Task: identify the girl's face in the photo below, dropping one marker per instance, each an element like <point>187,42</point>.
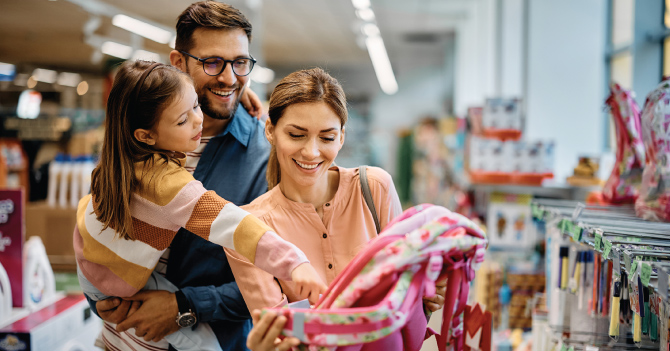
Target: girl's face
<point>179,127</point>
<point>307,139</point>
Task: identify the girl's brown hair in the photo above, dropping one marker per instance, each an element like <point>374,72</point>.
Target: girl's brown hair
<point>305,86</point>
<point>113,180</point>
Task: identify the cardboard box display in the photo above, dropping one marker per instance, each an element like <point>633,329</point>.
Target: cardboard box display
<point>54,225</point>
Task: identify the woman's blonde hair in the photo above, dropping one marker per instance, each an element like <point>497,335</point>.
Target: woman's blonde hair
<point>130,107</point>
<point>305,86</point>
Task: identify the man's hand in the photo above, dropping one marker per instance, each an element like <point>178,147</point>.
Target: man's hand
<point>115,310</point>
<point>156,316</point>
<point>252,103</point>
<point>265,333</point>
<point>436,302</point>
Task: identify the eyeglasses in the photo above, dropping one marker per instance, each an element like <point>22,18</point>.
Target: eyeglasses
<point>213,66</point>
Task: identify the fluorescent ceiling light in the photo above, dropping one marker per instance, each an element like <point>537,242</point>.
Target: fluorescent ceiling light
<point>82,88</point>
<point>69,79</point>
<point>366,14</point>
<point>144,29</point>
<point>361,4</point>
<point>45,75</point>
<point>262,75</point>
<point>381,64</point>
<point>117,50</point>
<point>370,30</point>
<point>146,56</point>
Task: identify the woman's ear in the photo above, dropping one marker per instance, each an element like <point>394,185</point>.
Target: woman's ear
<point>342,137</point>
<point>145,136</point>
<point>269,131</point>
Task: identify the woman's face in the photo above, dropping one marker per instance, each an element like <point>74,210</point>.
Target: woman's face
<point>307,139</point>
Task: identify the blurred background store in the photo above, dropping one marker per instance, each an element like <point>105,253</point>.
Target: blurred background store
<point>482,106</point>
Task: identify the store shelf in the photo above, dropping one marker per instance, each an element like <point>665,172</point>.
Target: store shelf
<point>548,189</point>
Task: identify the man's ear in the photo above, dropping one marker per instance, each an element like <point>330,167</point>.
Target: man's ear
<point>178,60</point>
<point>145,136</point>
<point>269,131</point>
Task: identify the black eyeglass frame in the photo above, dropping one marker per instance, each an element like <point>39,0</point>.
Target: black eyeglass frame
<point>225,62</point>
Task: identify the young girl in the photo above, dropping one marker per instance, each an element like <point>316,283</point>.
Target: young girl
<point>141,196</point>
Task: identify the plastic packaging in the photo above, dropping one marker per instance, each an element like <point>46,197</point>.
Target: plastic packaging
<point>55,168</point>
<point>38,277</point>
<point>614,315</point>
<point>87,167</point>
<point>5,296</point>
<point>75,180</point>
<point>65,172</point>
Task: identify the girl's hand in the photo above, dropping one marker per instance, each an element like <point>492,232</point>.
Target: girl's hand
<point>308,283</point>
<point>252,103</point>
<point>436,302</point>
<point>264,335</point>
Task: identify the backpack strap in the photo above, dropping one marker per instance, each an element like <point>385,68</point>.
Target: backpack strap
<point>367,195</point>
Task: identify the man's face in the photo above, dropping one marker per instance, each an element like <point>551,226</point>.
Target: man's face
<point>219,95</point>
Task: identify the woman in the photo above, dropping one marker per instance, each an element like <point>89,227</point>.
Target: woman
<point>316,206</point>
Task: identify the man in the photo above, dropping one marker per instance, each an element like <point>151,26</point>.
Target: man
<point>212,46</point>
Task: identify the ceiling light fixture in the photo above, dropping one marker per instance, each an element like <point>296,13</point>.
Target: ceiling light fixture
<point>68,79</point>
<point>370,30</point>
<point>381,64</point>
<point>144,29</point>
<point>361,4</point>
<point>82,88</point>
<point>366,14</point>
<point>45,75</point>
<point>146,56</point>
<point>262,75</point>
<point>117,50</point>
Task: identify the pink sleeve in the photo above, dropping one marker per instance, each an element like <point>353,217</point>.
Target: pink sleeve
<point>274,254</point>
<point>259,288</point>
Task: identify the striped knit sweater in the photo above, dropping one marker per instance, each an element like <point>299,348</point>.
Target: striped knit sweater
<point>164,203</point>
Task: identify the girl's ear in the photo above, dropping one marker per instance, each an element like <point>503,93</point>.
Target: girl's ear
<point>269,131</point>
<point>145,136</point>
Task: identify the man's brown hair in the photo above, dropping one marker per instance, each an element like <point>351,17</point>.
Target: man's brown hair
<point>208,14</point>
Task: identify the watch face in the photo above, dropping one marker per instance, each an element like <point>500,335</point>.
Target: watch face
<point>186,320</point>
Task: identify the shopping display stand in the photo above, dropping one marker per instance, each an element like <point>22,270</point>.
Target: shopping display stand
<point>626,251</point>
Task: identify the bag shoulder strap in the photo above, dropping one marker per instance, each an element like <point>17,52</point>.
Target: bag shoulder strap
<point>367,195</point>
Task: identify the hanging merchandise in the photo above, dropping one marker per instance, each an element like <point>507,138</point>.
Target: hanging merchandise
<point>376,301</point>
<point>654,200</point>
<point>624,181</point>
<point>628,306</point>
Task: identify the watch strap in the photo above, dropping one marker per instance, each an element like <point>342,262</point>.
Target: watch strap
<point>182,302</point>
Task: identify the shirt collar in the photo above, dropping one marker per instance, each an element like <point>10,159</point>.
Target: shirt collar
<point>240,126</point>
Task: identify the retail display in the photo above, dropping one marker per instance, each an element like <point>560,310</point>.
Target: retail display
<point>38,277</point>
<point>376,302</point>
<point>69,179</point>
<point>5,296</point>
<point>622,185</point>
<point>607,281</point>
<point>12,237</point>
<point>654,200</point>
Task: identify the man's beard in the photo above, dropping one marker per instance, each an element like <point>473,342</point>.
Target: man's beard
<point>208,109</point>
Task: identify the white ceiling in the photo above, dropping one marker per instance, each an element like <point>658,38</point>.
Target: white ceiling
<point>292,33</point>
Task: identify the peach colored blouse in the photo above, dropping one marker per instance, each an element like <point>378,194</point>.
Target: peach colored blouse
<point>329,244</point>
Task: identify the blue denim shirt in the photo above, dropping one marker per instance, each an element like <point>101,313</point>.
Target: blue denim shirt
<point>233,164</point>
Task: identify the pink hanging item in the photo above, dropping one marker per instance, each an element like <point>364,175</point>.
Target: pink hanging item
<point>623,183</point>
<point>654,200</point>
<point>376,303</point>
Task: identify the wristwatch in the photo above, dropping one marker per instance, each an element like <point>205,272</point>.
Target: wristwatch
<point>185,317</point>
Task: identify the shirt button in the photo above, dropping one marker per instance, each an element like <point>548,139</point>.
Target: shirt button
<point>330,266</point>
<point>325,235</point>
<point>327,204</point>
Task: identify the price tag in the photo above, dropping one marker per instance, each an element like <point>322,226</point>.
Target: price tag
<point>564,347</point>
<point>634,240</point>
<point>576,232</point>
<point>616,265</point>
<point>663,283</point>
<point>571,348</point>
<point>645,274</point>
<point>633,267</point>
<point>607,249</point>
<point>626,260</point>
<point>599,239</point>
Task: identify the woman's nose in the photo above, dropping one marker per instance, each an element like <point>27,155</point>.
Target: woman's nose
<point>311,149</point>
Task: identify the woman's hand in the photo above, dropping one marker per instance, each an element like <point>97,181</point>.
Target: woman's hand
<point>308,283</point>
<point>264,335</point>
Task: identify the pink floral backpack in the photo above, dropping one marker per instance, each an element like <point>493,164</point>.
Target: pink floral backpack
<point>654,200</point>
<point>375,303</point>
<point>624,181</point>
